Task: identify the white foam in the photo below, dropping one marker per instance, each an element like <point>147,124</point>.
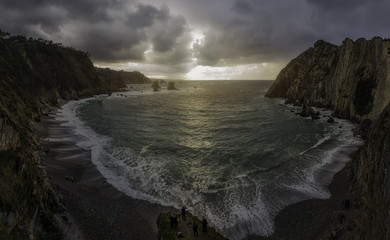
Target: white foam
<point>315,179</point>
<point>238,214</point>
<point>107,162</point>
<point>321,141</point>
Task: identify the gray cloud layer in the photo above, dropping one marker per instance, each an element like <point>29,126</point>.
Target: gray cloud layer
<point>235,31</point>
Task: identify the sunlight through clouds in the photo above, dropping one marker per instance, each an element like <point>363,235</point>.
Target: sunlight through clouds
<point>262,71</point>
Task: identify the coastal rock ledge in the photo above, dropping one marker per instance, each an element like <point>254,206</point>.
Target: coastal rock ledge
<point>354,81</point>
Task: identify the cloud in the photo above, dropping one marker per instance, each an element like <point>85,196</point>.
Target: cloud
<point>236,32</point>
<point>114,30</point>
<point>354,19</point>
<point>262,36</point>
<point>242,7</point>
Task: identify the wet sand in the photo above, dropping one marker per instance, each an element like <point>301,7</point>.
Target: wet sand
<point>314,218</point>
<point>96,210</point>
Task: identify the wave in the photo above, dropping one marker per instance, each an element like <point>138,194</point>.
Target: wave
<point>238,201</point>
<point>321,141</point>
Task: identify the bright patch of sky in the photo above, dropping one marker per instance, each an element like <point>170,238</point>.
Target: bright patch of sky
<point>202,39</point>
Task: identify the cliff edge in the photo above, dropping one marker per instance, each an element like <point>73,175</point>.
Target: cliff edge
<point>354,80</point>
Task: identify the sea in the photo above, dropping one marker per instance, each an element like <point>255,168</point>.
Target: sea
<point>220,148</point>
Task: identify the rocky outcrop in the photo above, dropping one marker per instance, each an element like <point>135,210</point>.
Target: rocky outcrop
<point>353,79</point>
<point>171,86</point>
<point>155,86</point>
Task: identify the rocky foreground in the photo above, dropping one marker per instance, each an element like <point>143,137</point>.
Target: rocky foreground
<point>354,80</point>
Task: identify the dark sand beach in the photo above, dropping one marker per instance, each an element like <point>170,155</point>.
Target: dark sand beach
<point>96,210</point>
<point>314,218</point>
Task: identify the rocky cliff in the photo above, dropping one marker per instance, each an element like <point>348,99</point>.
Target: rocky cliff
<point>35,75</point>
<point>371,184</point>
<point>352,79</point>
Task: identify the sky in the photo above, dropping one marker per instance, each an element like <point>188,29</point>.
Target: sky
<point>196,39</point>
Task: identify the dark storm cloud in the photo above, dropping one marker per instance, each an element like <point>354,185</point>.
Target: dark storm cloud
<point>165,35</point>
<point>115,30</point>
<point>235,32</point>
<point>146,15</point>
<point>241,6</point>
<point>354,19</point>
<point>263,31</point>
<point>262,36</point>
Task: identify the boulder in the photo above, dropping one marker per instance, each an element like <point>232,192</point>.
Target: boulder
<point>315,117</point>
<point>330,120</point>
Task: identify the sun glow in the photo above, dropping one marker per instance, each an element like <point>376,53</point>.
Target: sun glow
<point>263,71</point>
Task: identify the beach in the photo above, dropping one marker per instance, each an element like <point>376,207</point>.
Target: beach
<point>314,218</point>
<point>96,210</point>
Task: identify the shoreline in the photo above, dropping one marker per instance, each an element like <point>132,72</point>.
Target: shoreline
<point>94,208</point>
<point>97,210</point>
<point>315,218</point>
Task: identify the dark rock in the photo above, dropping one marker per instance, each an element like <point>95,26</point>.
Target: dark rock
<point>65,218</point>
<point>364,126</point>
<point>171,86</point>
<point>330,120</point>
<point>347,204</point>
<point>70,178</point>
<point>156,86</point>
<point>315,117</point>
<point>307,111</point>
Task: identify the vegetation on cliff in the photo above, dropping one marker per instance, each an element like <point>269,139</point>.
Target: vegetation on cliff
<point>34,75</point>
<point>120,78</point>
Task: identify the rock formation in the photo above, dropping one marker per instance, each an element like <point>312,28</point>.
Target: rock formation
<point>354,80</point>
<point>155,86</point>
<point>171,86</point>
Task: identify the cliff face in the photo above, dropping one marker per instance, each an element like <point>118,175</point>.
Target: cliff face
<point>34,75</point>
<point>353,79</point>
<point>371,184</point>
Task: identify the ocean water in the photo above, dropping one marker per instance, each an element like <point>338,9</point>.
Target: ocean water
<point>218,147</point>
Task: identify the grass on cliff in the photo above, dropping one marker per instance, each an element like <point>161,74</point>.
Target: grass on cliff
<point>168,233</point>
